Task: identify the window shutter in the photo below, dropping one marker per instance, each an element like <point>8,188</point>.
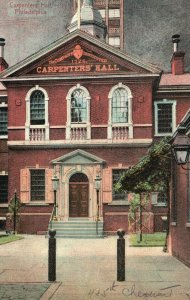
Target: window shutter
<point>107,185</point>
<point>25,185</point>
<point>49,187</point>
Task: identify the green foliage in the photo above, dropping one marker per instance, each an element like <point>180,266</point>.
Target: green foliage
<point>14,208</point>
<point>151,173</point>
<point>4,239</point>
<point>149,240</point>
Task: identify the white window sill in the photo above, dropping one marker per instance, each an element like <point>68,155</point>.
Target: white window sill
<point>40,203</point>
<point>119,202</point>
<point>160,205</point>
<point>173,223</point>
<point>188,224</point>
<point>3,137</point>
<point>4,205</point>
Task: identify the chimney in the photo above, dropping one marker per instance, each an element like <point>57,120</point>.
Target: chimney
<point>3,63</point>
<point>177,61</point>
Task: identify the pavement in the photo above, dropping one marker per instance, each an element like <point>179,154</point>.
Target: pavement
<point>86,269</point>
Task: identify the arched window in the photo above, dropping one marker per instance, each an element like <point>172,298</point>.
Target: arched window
<point>78,114</point>
<point>37,124</point>
<point>78,106</point>
<point>120,106</point>
<point>120,125</point>
<point>37,108</point>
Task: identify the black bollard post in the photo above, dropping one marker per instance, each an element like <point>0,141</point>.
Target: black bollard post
<point>52,256</point>
<point>121,255</point>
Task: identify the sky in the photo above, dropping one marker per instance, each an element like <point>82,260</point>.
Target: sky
<point>29,25</point>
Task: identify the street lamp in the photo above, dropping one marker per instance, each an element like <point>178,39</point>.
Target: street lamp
<point>55,182</point>
<point>181,148</point>
<point>97,186</point>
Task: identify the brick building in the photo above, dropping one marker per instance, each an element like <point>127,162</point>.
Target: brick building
<point>81,110</point>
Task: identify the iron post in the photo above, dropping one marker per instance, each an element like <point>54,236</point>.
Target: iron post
<point>121,255</point>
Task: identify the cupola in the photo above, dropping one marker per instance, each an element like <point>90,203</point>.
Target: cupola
<point>88,19</point>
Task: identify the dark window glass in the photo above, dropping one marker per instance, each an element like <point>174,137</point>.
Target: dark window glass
<point>165,118</point>
<point>37,108</point>
<point>79,177</point>
<point>120,106</point>
<point>37,185</point>
<point>116,174</point>
<point>162,198</point>
<point>3,189</point>
<point>78,107</point>
<point>3,121</point>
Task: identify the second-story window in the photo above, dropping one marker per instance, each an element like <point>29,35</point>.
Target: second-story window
<point>120,126</point>
<point>78,107</point>
<point>37,108</point>
<point>3,121</point>
<point>78,125</point>
<point>120,106</point>
<point>165,117</point>
<point>37,124</point>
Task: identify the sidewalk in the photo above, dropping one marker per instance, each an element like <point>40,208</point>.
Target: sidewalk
<point>86,269</point>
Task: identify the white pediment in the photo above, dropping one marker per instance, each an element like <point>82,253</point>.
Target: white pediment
<point>78,157</point>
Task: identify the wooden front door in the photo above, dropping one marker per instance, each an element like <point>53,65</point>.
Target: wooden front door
<point>78,198</point>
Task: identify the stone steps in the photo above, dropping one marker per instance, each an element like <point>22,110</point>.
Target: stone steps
<point>78,228</point>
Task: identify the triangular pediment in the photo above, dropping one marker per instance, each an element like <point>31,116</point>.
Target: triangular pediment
<point>78,157</point>
<point>78,53</point>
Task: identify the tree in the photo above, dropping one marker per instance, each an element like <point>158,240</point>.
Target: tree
<point>14,208</point>
<point>151,174</point>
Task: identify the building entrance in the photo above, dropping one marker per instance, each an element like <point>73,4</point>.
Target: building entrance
<point>78,196</point>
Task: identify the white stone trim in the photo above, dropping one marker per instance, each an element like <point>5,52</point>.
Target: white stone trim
<point>165,101</point>
<point>87,123</point>
<point>27,124</point>
<point>130,97</point>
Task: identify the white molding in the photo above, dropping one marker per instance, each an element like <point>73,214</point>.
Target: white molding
<point>188,224</point>
<point>98,76</point>
<point>27,124</point>
<point>110,123</point>
<point>4,137</point>
<point>173,223</point>
<point>87,124</point>
<point>165,101</point>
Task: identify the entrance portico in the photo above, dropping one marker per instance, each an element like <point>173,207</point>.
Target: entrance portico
<point>76,195</point>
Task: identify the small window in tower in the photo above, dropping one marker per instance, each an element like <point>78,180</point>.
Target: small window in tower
<point>114,13</point>
<point>102,12</point>
<point>114,41</point>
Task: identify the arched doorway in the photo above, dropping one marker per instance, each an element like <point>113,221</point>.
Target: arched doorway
<point>78,196</point>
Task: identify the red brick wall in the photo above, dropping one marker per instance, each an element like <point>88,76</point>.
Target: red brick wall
<point>180,233</point>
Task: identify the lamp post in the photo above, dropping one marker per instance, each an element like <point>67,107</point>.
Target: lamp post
<point>97,186</point>
<point>181,148</point>
<point>55,181</point>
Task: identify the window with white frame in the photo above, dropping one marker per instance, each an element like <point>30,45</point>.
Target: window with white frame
<point>3,121</point>
<point>3,188</point>
<point>78,125</point>
<point>120,113</point>
<point>37,125</point>
<point>120,106</point>
<point>37,108</point>
<point>37,185</point>
<point>78,106</point>
<point>165,117</point>
<point>114,41</point>
<point>117,195</point>
<point>114,13</point>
